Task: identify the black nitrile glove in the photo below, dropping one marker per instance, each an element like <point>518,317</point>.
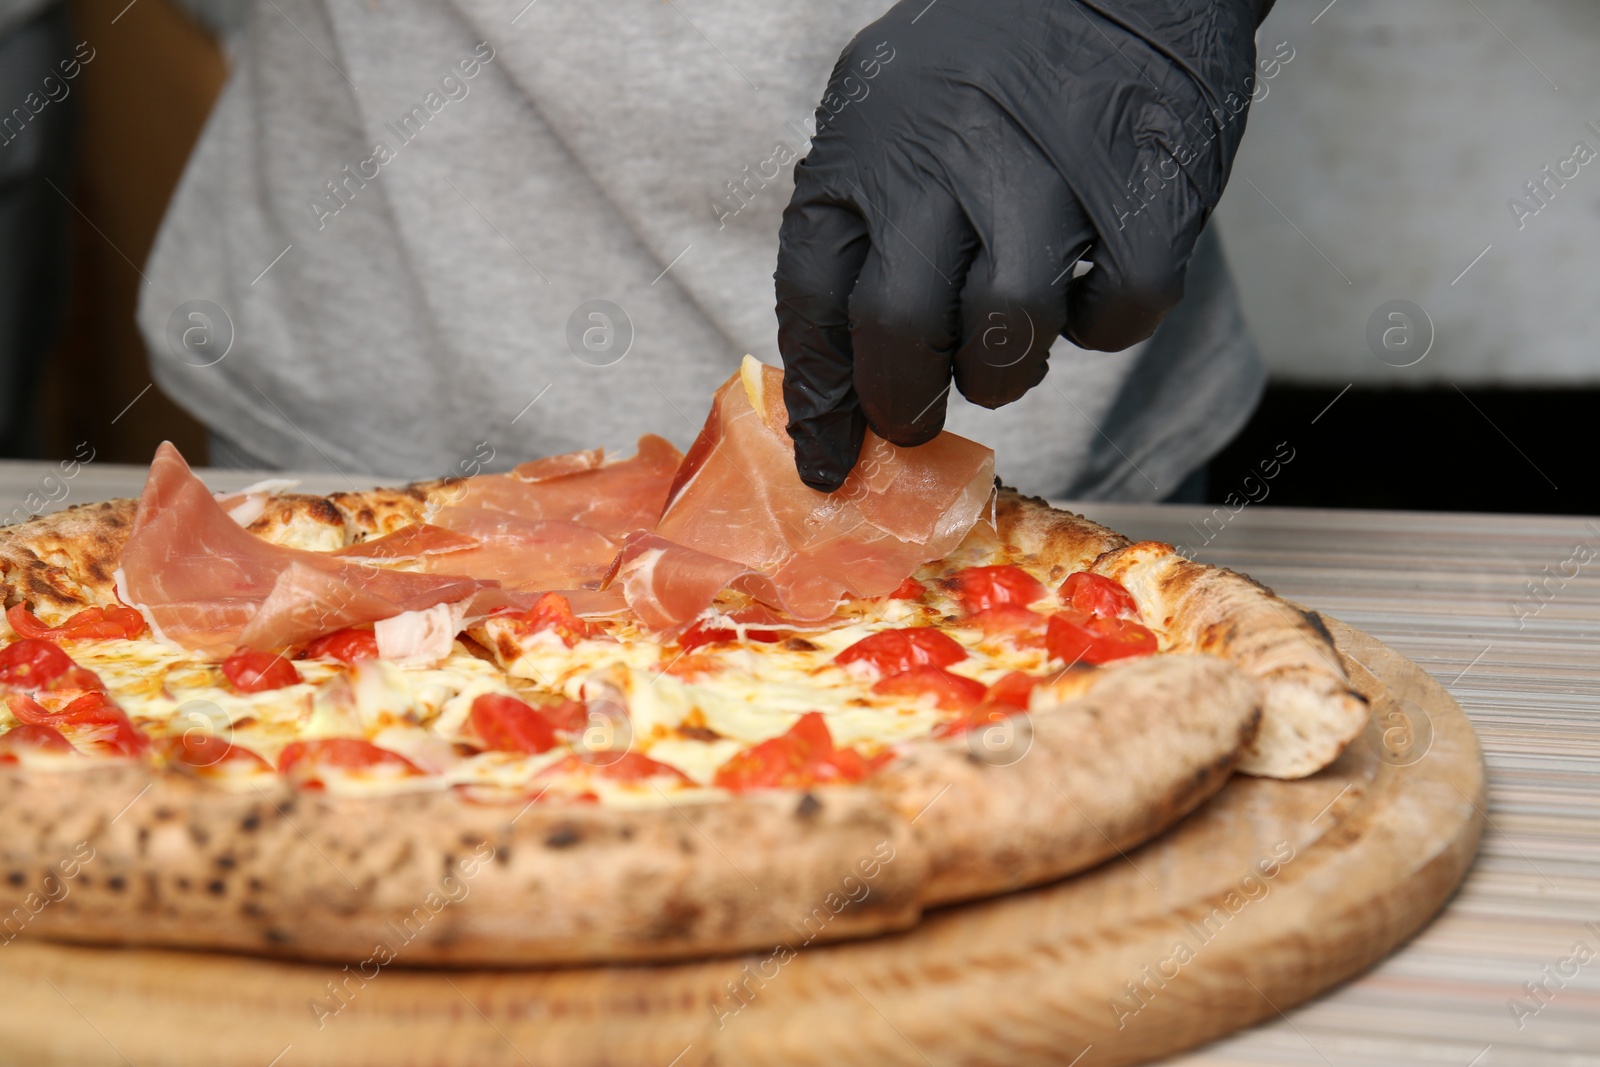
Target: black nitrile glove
<point>968,153</point>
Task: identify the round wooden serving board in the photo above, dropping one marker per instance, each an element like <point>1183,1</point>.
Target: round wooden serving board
<point>1269,894</point>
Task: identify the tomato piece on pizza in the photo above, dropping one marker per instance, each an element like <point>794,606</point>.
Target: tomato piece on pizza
<point>802,757</point>
<point>1013,690</point>
<point>1023,625</point>
<point>307,763</point>
<point>34,664</point>
<point>893,651</point>
<point>910,589</point>
<point>1095,594</point>
<point>33,737</point>
<point>347,646</point>
<point>95,623</point>
<point>506,724</point>
<point>552,612</point>
<point>1003,583</point>
<point>99,722</point>
<point>253,671</point>
<point>212,755</point>
<point>1077,637</point>
<point>951,692</point>
<point>625,766</point>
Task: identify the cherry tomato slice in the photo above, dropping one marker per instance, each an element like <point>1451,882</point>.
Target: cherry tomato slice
<point>989,587</point>
<point>634,767</point>
<point>803,757</point>
<point>949,691</point>
<point>32,737</point>
<point>568,717</point>
<point>209,753</point>
<point>626,767</point>
<point>704,634</point>
<point>910,589</point>
<point>34,664</point>
<point>1008,619</point>
<point>90,709</point>
<point>302,761</point>
<point>1076,637</point>
<point>1012,690</point>
<point>552,611</point>
<point>506,724</point>
<point>1097,595</point>
<point>88,624</point>
<point>252,671</point>
<point>346,646</point>
<point>893,651</point>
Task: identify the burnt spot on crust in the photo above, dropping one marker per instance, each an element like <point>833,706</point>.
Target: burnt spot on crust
<point>322,510</point>
<point>16,878</point>
<point>808,807</point>
<point>251,822</point>
<point>276,936</point>
<point>116,883</point>
<point>1315,619</point>
<point>562,837</point>
<point>216,887</point>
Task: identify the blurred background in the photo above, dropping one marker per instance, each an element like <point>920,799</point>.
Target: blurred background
<point>1414,224</point>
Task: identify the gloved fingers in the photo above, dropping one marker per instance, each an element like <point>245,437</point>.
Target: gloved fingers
<point>821,246</point>
<point>1015,301</point>
<point>905,312</point>
<point>1139,262</point>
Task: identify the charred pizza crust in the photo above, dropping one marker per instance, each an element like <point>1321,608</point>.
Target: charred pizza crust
<point>1098,769</point>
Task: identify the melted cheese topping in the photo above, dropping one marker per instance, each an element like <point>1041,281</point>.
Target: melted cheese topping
<point>691,711</point>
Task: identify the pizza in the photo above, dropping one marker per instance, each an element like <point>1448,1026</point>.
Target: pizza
<point>594,709</point>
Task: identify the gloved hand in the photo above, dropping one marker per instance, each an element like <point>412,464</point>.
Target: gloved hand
<point>968,153</point>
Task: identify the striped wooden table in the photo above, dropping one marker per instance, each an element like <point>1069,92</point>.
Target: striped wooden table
<point>1505,611</point>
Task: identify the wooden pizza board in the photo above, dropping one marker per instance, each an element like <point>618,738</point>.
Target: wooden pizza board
<point>1269,894</point>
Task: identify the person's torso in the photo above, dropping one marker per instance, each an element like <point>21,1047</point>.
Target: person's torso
<point>531,229</point>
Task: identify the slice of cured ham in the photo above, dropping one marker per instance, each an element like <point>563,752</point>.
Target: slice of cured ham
<point>667,584</point>
<point>408,543</point>
<point>522,554</point>
<point>205,583</point>
<point>613,499</point>
<point>741,508</point>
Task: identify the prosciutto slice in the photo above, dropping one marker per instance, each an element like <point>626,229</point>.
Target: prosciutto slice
<point>205,583</point>
<point>610,498</point>
<point>667,584</point>
<point>737,500</point>
<point>408,543</point>
<point>522,554</point>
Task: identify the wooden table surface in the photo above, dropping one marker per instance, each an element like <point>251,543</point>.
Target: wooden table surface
<point>1509,976</point>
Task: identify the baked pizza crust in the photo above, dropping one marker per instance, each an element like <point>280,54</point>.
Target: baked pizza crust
<point>1091,770</point>
<point>1310,711</point>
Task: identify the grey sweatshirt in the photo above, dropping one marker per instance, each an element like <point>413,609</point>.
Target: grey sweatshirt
<point>420,238</point>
